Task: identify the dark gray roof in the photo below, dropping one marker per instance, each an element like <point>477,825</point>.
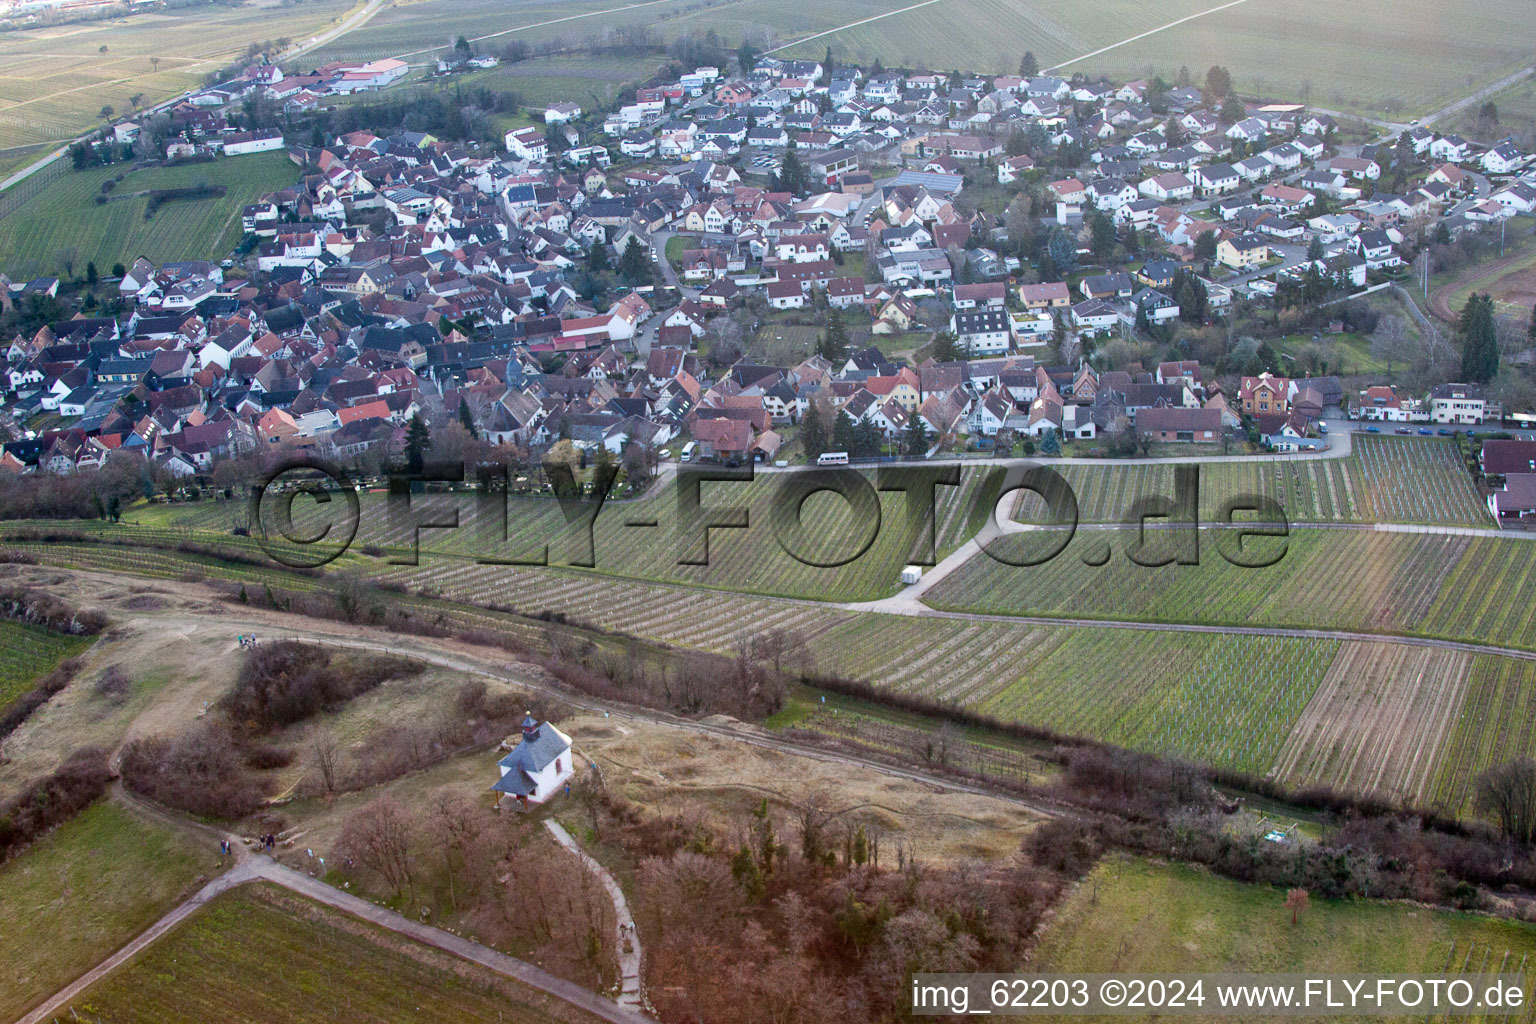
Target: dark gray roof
<point>532,754</point>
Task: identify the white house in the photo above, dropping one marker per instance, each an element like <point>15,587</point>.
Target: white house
<point>538,766</point>
<point>559,113</point>
<point>1503,159</point>
<point>527,144</point>
<point>1451,148</point>
<point>1217,178</point>
<point>1171,186</point>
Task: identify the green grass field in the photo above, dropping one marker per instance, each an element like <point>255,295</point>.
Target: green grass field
<point>43,221</point>
<point>26,652</point>
<point>54,81</point>
<point>82,892</point>
<point>1137,916</point>
<point>259,953</point>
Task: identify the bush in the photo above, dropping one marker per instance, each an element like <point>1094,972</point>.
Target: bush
<point>22,707</point>
<point>286,682</point>
<point>200,771</point>
<point>114,684</point>
<point>39,608</point>
<point>74,786</point>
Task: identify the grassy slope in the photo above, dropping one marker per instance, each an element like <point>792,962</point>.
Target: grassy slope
<point>262,954</point>
<point>26,652</point>
<point>83,891</point>
<point>62,214</point>
<point>1140,917</point>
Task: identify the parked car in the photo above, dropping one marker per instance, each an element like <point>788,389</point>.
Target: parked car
<point>1424,431</point>
<point>1373,430</point>
<point>1402,430</point>
<point>1446,433</point>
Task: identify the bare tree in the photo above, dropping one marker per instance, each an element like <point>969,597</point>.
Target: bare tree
<point>1296,900</point>
<point>325,755</point>
<point>1389,340</point>
<point>455,825</point>
<point>378,836</point>
<point>1508,792</point>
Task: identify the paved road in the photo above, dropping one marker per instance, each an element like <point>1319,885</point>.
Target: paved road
<point>627,938</point>
<point>253,867</point>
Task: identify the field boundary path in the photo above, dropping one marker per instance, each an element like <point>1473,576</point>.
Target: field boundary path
<point>624,923</point>
<point>1149,32</point>
<point>253,867</point>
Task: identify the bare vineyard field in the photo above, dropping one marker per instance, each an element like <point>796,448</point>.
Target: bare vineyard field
<point>428,25</point>
<point>990,35</point>
<point>749,559</point>
<point>1380,721</point>
<point>1327,579</point>
<point>1225,700</point>
<point>55,80</point>
<point>1357,62</point>
<point>1496,724</point>
<point>1385,479</point>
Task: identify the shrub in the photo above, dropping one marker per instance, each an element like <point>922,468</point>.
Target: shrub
<point>200,771</point>
<point>51,801</point>
<point>286,682</point>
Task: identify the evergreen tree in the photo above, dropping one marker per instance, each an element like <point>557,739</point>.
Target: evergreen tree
<point>1530,328</point>
<point>866,440</point>
<point>813,431</point>
<point>1315,248</point>
<point>635,264</point>
<point>843,433</point>
<point>833,345</point>
<point>467,417</point>
<point>1050,444</point>
<point>946,347</point>
<point>597,258</point>
<point>1232,110</point>
<point>1479,340</point>
<point>917,436</point>
<point>1205,247</point>
<point>1102,234</point>
<point>1218,81</point>
<point>1063,251</point>
<point>792,175</point>
<point>416,441</point>
<point>1029,67</point>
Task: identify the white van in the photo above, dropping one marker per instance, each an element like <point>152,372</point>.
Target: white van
<point>832,459</point>
<point>687,455</point>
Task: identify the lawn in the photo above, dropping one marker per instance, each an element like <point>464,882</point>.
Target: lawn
<point>26,652</point>
<point>1140,917</point>
<point>259,953</point>
<point>46,221</point>
<point>83,891</point>
<point>55,80</point>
